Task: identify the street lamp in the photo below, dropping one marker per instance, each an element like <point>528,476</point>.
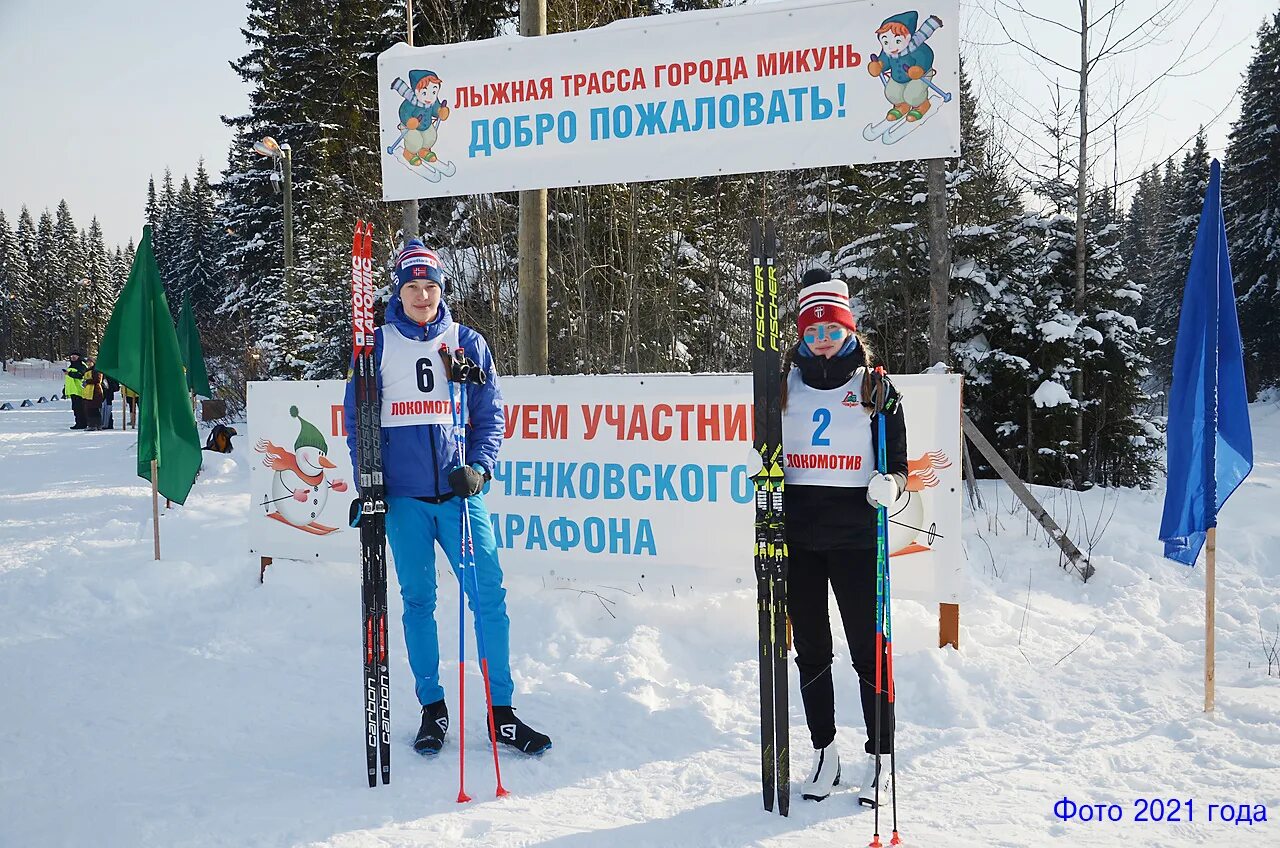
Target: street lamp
<point>8,331</point>
<point>83,283</point>
<point>283,158</point>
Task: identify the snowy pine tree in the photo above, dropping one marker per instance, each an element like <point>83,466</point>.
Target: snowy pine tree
<point>1252,208</point>
<point>15,294</point>
<point>196,250</point>
<point>47,299</point>
<point>1182,196</point>
<point>1122,441</point>
<point>100,292</point>
<point>1140,246</point>
<point>164,231</point>
<point>33,343</point>
<point>66,282</point>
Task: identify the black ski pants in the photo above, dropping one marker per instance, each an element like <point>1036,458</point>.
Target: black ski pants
<point>851,574</point>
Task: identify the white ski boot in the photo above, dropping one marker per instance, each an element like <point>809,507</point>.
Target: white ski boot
<point>867,789</point>
<point>824,775</point>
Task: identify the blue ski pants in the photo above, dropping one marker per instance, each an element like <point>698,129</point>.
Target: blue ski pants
<point>413,529</point>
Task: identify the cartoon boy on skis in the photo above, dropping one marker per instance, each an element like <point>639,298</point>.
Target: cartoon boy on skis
<point>420,116</point>
<point>905,64</point>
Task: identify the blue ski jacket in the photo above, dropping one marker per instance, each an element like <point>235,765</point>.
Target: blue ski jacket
<point>416,460</point>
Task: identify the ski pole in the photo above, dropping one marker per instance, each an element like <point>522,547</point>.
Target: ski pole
<point>469,541</point>
<point>881,564</point>
<point>463,797</point>
<point>470,560</point>
<point>882,542</point>
<point>467,561</point>
<point>392,149</point>
<point>945,95</point>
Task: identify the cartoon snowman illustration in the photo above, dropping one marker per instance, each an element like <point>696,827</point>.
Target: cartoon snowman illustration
<point>302,480</point>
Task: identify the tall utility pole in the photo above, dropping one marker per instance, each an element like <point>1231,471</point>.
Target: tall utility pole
<point>533,240</point>
<point>939,264</point>
<point>409,209</point>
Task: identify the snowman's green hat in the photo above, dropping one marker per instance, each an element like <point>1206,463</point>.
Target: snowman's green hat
<point>309,436</point>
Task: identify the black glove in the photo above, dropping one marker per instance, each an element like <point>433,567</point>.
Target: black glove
<point>466,481</point>
<point>356,512</point>
<point>466,370</point>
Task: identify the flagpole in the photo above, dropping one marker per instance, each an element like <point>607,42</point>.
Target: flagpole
<point>1210,581</point>
<point>155,503</point>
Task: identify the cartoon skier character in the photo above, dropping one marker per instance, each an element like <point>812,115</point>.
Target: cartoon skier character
<point>905,64</point>
<point>420,115</point>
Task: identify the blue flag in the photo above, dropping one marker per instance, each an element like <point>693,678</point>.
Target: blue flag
<point>1210,447</point>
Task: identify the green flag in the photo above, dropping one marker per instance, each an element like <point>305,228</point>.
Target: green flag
<point>140,349</point>
<point>192,355</point>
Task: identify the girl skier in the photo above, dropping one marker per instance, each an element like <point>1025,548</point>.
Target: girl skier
<point>832,492</point>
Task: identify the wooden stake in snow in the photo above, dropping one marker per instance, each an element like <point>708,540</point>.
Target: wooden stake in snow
<point>1210,582</point>
<point>155,504</point>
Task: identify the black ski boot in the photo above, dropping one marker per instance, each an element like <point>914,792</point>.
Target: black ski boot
<point>435,724</point>
<point>514,732</point>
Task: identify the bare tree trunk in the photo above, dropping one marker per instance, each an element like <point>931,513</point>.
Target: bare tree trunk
<point>1082,219</point>
<point>634,307</point>
<point>939,263</point>
<point>1031,444</point>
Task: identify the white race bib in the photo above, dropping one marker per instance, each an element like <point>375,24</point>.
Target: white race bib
<point>415,388</point>
<point>826,434</point>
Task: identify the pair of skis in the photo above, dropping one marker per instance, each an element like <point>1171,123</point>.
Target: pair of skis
<point>891,132</point>
<point>372,510</point>
<point>770,539</point>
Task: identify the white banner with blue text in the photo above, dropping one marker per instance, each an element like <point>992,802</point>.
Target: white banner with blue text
<point>767,87</point>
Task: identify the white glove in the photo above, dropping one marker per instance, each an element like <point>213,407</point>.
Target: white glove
<point>882,490</point>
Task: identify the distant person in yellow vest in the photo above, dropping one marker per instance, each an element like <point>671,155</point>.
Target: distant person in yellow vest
<point>73,387</point>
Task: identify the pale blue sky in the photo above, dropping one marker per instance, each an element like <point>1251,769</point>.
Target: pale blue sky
<point>97,95</point>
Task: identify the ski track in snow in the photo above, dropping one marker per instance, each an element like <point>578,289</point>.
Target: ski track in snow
<point>180,703</point>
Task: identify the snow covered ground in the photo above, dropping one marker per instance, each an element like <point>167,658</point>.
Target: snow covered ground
<point>180,703</point>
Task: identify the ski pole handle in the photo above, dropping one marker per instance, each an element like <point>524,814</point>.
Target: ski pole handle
<point>446,359</point>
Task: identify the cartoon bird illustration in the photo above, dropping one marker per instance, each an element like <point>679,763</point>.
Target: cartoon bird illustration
<point>302,480</point>
<point>911,528</point>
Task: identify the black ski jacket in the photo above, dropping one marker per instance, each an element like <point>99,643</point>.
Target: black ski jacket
<point>822,518</point>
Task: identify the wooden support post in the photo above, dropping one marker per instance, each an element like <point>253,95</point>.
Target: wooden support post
<point>939,264</point>
<point>1211,557</point>
<point>970,478</point>
<point>949,625</point>
<point>262,573</point>
<point>408,209</point>
<point>531,341</point>
<point>155,504</point>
